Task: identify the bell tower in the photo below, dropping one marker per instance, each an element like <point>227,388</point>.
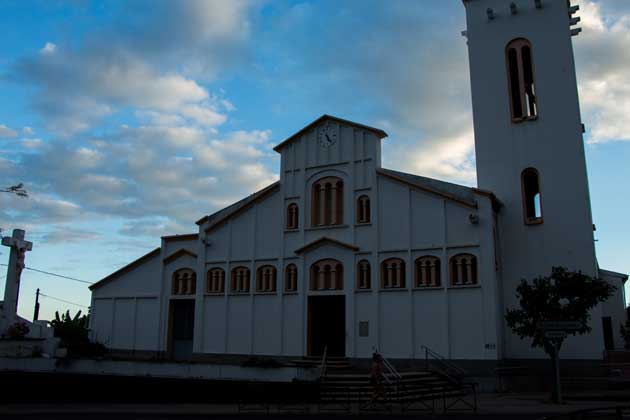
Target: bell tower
<point>529,145</point>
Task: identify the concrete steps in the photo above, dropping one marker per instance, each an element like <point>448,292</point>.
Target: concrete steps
<point>332,363</point>
<point>338,388</point>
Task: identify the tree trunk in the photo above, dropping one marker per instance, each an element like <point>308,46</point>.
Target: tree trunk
<point>554,363</point>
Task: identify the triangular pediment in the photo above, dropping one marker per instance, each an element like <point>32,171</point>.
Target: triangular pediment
<point>325,241</point>
<point>181,252</point>
<point>379,133</point>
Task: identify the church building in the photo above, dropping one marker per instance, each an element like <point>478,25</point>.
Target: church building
<point>346,256</point>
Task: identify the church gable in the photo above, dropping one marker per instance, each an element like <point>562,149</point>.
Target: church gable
<point>330,141</point>
<point>325,241</point>
<point>214,220</point>
<point>453,192</point>
<point>179,253</point>
<point>325,119</point>
<point>247,227</point>
<point>417,212</point>
<point>142,276</point>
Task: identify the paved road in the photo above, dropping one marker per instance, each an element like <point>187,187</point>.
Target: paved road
<point>129,416</point>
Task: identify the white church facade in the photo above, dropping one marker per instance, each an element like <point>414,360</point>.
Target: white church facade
<point>344,255</point>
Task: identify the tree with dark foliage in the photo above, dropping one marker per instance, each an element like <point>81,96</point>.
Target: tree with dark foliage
<point>562,296</point>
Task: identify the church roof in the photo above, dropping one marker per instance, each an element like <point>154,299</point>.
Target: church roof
<point>380,133</point>
<point>458,193</point>
<point>325,240</point>
<point>222,215</point>
<point>126,268</point>
<point>178,253</point>
<point>184,237</point>
<point>620,276</point>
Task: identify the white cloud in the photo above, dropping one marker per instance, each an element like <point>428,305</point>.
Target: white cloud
<point>48,49</point>
<point>203,115</point>
<point>135,64</point>
<point>602,63</point>
<point>63,234</point>
<point>174,174</point>
<point>28,131</point>
<point>452,159</point>
<point>32,143</point>
<point>6,132</point>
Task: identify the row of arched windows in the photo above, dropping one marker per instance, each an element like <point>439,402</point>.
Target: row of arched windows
<point>327,206</point>
<point>323,214</point>
<point>426,273</point>
<point>266,279</point>
<point>327,274</point>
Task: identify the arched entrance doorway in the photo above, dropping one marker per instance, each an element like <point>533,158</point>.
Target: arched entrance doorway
<point>326,311</point>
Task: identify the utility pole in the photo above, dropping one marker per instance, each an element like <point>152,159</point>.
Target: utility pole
<point>36,314</point>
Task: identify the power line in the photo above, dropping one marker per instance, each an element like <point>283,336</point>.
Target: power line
<point>63,300</point>
<point>53,274</point>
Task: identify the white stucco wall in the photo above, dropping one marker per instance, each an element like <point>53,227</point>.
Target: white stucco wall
<point>125,310</point>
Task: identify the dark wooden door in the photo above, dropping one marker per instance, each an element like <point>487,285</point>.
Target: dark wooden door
<point>609,339</point>
<point>183,325</point>
<point>327,325</point>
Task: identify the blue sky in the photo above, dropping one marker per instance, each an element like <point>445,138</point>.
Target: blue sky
<point>128,120</point>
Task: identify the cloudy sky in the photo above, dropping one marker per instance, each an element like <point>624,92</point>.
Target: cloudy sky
<point>127,120</point>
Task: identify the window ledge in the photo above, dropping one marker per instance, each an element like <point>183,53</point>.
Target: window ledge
<point>416,289</point>
<point>291,230</point>
<point>238,294</point>
<point>524,119</point>
<point>290,293</point>
<point>265,293</point>
<point>465,286</point>
<point>326,227</point>
<point>393,289</point>
<point>534,222</point>
<point>214,293</point>
<point>183,296</point>
<point>328,291</point>
<point>363,224</point>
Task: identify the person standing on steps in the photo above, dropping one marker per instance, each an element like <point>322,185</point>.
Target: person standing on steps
<point>376,377</point>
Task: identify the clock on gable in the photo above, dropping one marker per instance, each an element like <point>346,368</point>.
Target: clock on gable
<point>327,135</point>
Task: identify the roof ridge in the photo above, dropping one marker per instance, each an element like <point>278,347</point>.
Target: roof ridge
<point>377,131</point>
<point>232,208</point>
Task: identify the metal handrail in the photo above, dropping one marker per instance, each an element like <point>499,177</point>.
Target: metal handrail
<point>323,366</point>
<point>390,368</point>
<point>447,367</point>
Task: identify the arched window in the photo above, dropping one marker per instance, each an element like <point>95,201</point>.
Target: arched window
<point>292,216</point>
<point>327,202</point>
<point>290,278</point>
<point>216,281</point>
<point>363,209</point>
<point>184,282</point>
<point>427,273</point>
<point>266,279</point>
<point>326,275</point>
<point>463,270</point>
<point>239,280</point>
<point>521,80</point>
<point>363,275</point>
<point>393,274</point>
<point>532,206</point>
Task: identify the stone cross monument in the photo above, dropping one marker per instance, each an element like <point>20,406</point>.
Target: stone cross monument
<point>19,247</point>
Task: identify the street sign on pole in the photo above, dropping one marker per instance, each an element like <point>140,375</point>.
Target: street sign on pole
<point>560,325</point>
<point>555,334</point>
